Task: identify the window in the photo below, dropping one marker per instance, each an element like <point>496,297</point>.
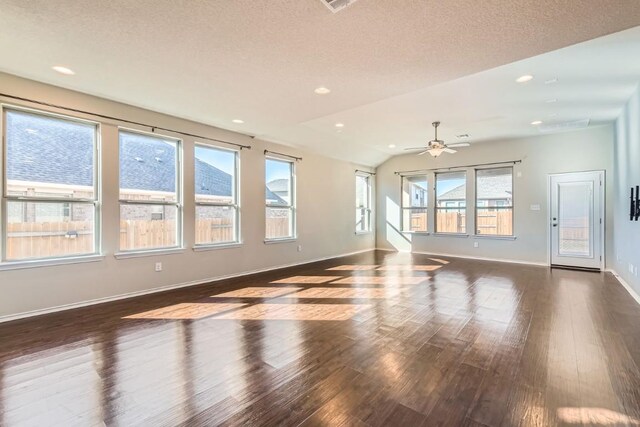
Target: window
<point>494,201</point>
<point>216,195</point>
<point>150,209</point>
<point>363,203</point>
<point>280,198</point>
<point>50,198</point>
<point>414,203</point>
<point>451,202</point>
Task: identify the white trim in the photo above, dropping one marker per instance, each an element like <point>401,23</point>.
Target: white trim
<point>213,247</point>
<point>626,285</point>
<point>283,240</point>
<point>493,237</point>
<point>145,253</point>
<point>19,265</point>
<point>450,234</point>
<point>11,317</point>
<point>359,233</point>
<point>509,261</point>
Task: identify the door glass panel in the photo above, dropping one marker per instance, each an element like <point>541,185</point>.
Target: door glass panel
<point>575,219</point>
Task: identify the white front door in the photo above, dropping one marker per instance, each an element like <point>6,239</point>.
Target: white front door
<point>577,219</point>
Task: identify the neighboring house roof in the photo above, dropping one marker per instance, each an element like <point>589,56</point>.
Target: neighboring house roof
<point>279,185</point>
<point>60,152</point>
<point>493,187</point>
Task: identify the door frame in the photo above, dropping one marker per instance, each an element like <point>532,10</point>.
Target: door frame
<point>603,210</point>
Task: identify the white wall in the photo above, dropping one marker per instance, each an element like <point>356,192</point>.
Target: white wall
<point>583,150</point>
<point>627,174</point>
<point>325,201</point>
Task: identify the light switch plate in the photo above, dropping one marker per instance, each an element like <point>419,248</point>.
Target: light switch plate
<point>534,207</point>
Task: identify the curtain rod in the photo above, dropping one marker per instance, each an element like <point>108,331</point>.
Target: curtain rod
<point>285,155</point>
<point>417,171</point>
<point>103,116</point>
<point>367,172</point>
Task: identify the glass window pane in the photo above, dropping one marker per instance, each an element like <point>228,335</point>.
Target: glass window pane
<point>494,187</point>
<point>451,187</point>
<point>148,166</point>
<point>215,174</point>
<point>575,225</point>
<point>497,222</point>
<point>414,191</point>
<point>363,219</point>
<point>49,156</point>
<point>414,220</point>
<point>362,191</point>
<point>46,230</point>
<point>148,226</point>
<point>279,223</point>
<point>215,224</point>
<point>278,178</point>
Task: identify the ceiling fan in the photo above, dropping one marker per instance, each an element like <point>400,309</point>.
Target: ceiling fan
<point>435,147</point>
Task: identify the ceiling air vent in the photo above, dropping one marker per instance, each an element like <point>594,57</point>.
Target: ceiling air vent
<point>337,5</point>
<point>559,127</point>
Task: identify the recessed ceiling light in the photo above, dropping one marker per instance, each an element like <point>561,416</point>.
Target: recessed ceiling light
<point>536,122</point>
<point>237,121</point>
<point>63,70</point>
<point>339,125</point>
<point>322,90</point>
<point>392,145</point>
<point>551,101</point>
<point>525,78</point>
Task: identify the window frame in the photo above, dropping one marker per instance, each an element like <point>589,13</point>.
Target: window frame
<point>404,208</point>
<point>235,188</point>
<point>436,208</point>
<point>291,205</point>
<point>497,208</point>
<point>368,209</point>
<point>95,201</point>
<point>178,204</point>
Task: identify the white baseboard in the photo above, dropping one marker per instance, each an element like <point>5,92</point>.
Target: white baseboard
<point>11,317</point>
<point>627,286</point>
<point>510,261</point>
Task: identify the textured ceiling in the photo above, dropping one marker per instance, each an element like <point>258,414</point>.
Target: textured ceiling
<point>259,60</point>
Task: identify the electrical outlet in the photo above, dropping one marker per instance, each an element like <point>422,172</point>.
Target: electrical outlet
<point>299,248</point>
<point>158,266</point>
<point>476,244</point>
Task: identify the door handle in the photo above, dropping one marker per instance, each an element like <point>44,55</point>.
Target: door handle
<point>555,225</point>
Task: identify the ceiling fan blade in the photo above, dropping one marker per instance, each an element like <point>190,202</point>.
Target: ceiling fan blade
<point>460,144</point>
<point>449,150</point>
<point>424,152</point>
<point>414,148</point>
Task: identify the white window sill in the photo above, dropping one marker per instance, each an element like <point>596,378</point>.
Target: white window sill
<point>204,248</point>
<point>419,233</point>
<point>491,237</point>
<point>285,240</point>
<point>364,232</point>
<point>451,234</point>
<point>18,265</point>
<point>151,252</point>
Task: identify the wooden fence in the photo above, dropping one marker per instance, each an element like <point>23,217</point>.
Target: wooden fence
<point>48,239</point>
<point>494,222</point>
<point>55,239</point>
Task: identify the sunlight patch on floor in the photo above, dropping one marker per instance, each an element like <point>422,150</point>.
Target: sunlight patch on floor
<point>346,293</point>
<point>257,292</point>
<point>377,280</point>
<point>409,267</point>
<point>186,311</point>
<point>353,267</point>
<point>307,279</point>
<point>332,312</point>
<point>595,416</point>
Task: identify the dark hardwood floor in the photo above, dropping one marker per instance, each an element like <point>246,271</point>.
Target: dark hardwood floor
<point>373,339</point>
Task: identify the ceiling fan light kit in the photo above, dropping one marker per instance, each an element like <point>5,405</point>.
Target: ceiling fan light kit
<point>435,147</point>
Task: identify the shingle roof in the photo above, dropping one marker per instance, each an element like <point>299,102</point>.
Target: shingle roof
<point>43,149</point>
<point>493,187</point>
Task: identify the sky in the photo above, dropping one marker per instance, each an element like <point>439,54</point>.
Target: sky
<point>221,159</point>
<point>277,170</point>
